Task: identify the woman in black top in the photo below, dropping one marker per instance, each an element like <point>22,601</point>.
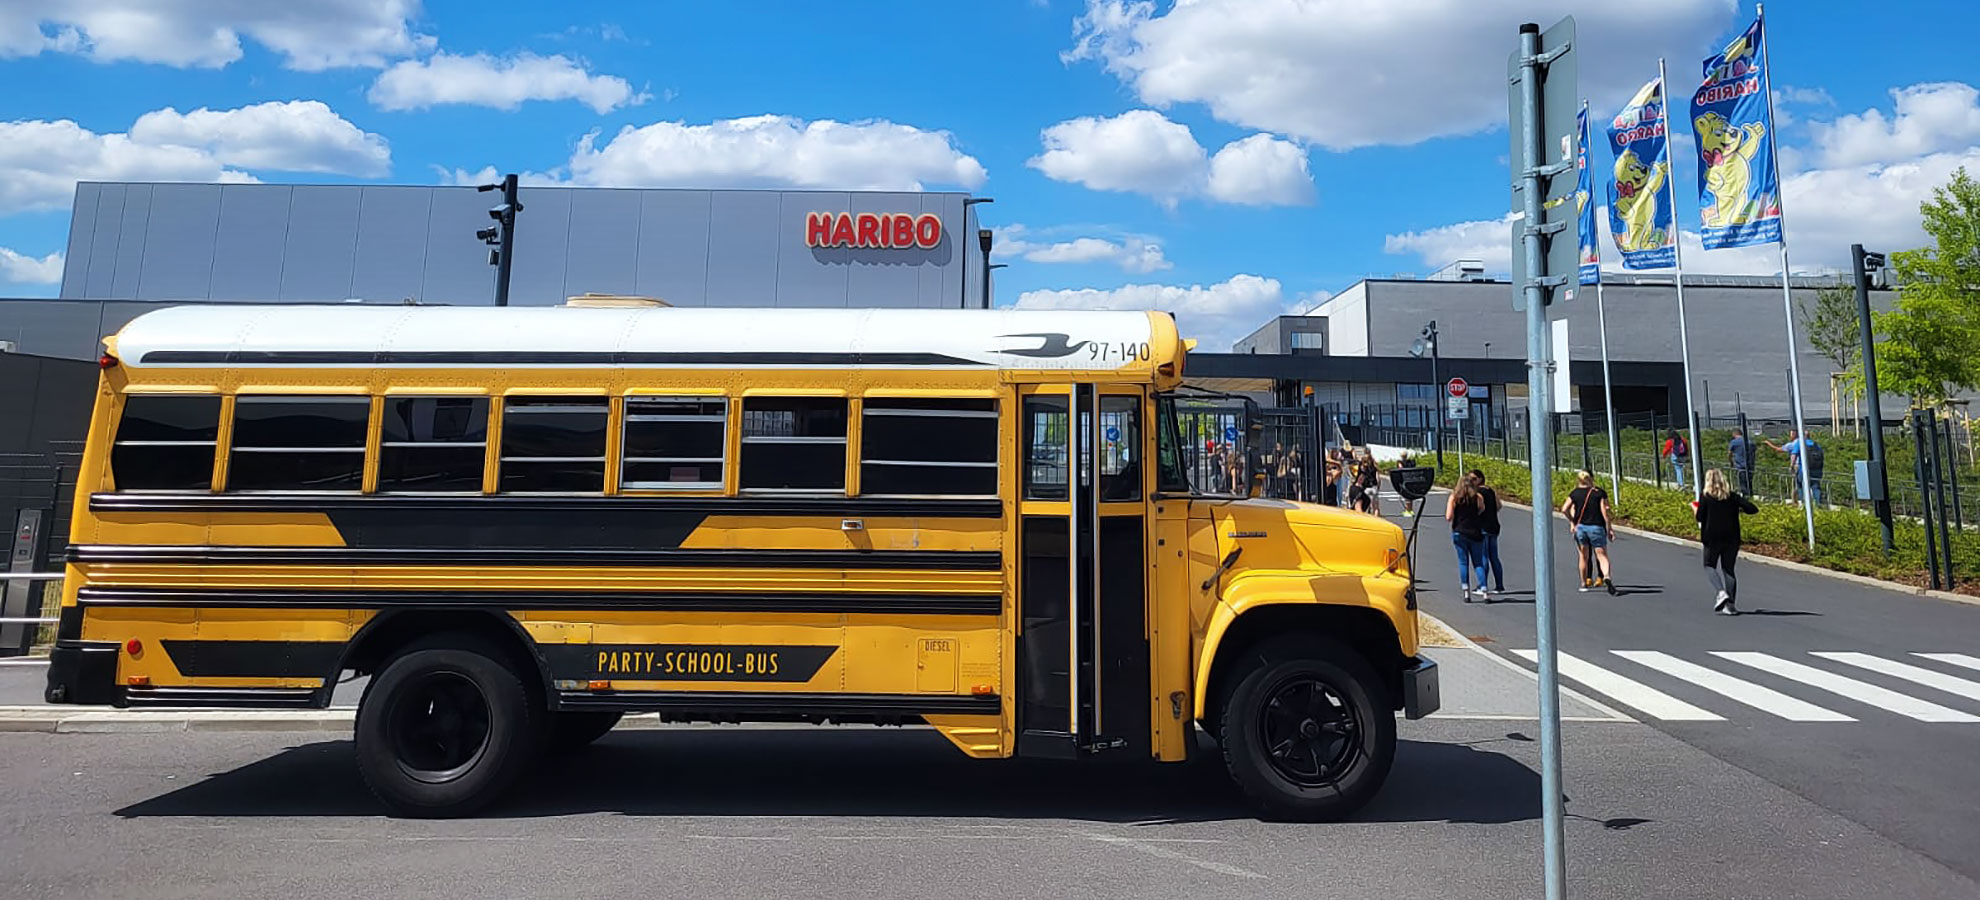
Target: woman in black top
<point>1718,529</point>
<point>1489,521</point>
<point>1464,511</point>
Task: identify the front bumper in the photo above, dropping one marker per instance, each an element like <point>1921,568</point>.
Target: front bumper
<point>1419,688</point>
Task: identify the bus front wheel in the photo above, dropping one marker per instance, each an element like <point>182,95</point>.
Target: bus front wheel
<point>1304,730</point>
<point>445,728</point>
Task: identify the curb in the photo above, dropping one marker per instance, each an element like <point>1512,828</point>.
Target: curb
<point>1789,564</point>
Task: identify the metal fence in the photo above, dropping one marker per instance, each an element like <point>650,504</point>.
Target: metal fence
<point>1290,450</point>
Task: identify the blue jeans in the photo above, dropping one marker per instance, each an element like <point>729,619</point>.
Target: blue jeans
<point>1470,558</point>
<point>1678,465</point>
<point>1491,546</point>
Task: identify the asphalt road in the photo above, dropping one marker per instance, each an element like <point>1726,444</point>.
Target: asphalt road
<point>1823,687</point>
<point>889,813</point>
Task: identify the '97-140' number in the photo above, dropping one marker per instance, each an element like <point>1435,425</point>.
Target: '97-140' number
<point>1122,351</point>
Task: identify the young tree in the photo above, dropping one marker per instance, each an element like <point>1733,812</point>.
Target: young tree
<point>1930,345</point>
<point>1831,325</point>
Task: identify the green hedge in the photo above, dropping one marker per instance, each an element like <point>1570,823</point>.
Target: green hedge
<point>1845,540</point>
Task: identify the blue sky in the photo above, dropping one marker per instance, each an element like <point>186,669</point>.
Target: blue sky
<point>1224,159</point>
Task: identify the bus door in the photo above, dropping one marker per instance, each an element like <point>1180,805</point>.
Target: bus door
<point>1082,588</point>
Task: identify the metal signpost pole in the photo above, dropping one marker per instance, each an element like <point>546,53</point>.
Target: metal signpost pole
<point>1608,397</point>
<point>1787,291</point>
<point>1528,163</point>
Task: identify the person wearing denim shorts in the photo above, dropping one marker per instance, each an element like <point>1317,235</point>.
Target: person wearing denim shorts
<point>1587,509</point>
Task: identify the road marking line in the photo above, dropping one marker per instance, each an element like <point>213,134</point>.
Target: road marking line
<point>1957,659</point>
<point>1968,689</point>
<point>36,661</point>
<point>1166,853</point>
<point>1629,692</point>
<point>1765,699</point>
<point>1592,703</point>
<point>1865,692</point>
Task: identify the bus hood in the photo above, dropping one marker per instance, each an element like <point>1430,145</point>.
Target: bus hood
<point>1281,534</point>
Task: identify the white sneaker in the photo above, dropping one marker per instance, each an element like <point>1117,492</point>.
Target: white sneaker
<point>1464,590</point>
<point>1724,605</point>
<point>1721,598</point>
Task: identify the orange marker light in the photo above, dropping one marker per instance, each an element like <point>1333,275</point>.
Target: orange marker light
<point>601,685</point>
<point>982,690</point>
<point>138,681</point>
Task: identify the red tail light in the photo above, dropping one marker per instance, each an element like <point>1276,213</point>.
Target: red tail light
<point>106,361</point>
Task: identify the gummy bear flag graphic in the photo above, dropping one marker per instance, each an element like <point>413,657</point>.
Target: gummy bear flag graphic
<point>1639,206</point>
<point>1584,201</point>
<point>1739,197</point>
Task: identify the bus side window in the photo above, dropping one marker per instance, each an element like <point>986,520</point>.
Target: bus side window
<point>432,444</point>
<point>298,443</point>
<point>165,442</point>
<point>553,445</point>
<point>674,443</point>
<point>920,447</point>
<point>1045,448</point>
<point>1120,448</point>
<point>794,444</point>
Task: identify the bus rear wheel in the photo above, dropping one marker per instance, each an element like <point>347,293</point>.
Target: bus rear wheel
<point>445,728</point>
<point>1304,730</point>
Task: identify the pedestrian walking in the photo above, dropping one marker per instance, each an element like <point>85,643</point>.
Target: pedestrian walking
<point>1740,451</point>
<point>1587,509</point>
<point>1370,483</point>
<point>1718,511</point>
<point>1234,469</point>
<point>1803,451</point>
<point>1489,522</point>
<point>1465,510</point>
<point>1679,454</point>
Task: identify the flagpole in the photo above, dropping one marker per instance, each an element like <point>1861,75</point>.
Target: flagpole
<point>1677,257</point>
<point>1787,290</point>
<point>1602,320</point>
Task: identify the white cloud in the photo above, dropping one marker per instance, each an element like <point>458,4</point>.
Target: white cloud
<point>21,268</point>
<point>1217,315</point>
<point>297,136</point>
<point>500,82</point>
<point>1261,170</point>
<point>1355,73</point>
<point>1929,118</point>
<point>776,151</point>
<point>1488,240</point>
<point>40,163</point>
<point>1142,151</point>
<point>310,36</point>
<point>491,175</point>
<point>1132,252</point>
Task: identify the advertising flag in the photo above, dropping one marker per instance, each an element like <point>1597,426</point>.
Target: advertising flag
<point>1739,197</point>
<point>1584,201</point>
<point>1639,207</point>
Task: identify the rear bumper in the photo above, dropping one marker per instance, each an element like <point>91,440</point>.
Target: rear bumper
<point>1419,688</point>
<point>83,672</point>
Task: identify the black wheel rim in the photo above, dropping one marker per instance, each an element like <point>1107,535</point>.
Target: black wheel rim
<point>1310,733</point>
<point>438,727</point>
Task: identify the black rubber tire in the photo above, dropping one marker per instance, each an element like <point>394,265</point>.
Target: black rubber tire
<point>1257,676</point>
<point>572,730</point>
<point>390,719</point>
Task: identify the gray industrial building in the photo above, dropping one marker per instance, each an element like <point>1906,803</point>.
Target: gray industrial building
<point>134,247</point>
<point>1737,335</point>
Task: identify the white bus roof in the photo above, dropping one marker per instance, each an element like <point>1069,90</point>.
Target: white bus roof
<point>232,336</point>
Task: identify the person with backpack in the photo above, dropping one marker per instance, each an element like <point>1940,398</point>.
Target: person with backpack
<point>1679,454</point>
<point>1466,512</point>
<point>1587,509</point>
<point>1490,524</point>
<point>1718,529</point>
<point>1803,451</point>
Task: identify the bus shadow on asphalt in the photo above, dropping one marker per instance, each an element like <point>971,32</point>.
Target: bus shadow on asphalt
<point>864,772</point>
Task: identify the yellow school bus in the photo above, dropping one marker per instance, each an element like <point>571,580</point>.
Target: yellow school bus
<point>524,523</point>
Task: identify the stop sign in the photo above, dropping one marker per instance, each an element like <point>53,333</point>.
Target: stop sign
<point>1457,388</point>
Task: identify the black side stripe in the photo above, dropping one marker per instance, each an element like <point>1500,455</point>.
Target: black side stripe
<point>782,703</point>
<point>545,357</point>
<point>509,503</point>
<point>230,598</point>
<point>971,560</point>
<point>253,659</point>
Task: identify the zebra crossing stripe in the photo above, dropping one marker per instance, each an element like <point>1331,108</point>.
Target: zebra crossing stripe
<point>1956,659</point>
<point>1968,689</point>
<point>1848,687</point>
<point>1629,692</point>
<point>1759,697</point>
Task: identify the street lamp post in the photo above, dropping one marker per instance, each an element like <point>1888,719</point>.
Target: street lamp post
<point>1861,263</point>
<point>984,238</point>
<point>1427,341</point>
<point>967,203</point>
<point>986,281</point>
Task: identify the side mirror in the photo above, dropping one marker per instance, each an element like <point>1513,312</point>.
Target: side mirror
<point>1413,483</point>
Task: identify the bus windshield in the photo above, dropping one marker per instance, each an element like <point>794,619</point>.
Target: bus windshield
<point>1171,475</point>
